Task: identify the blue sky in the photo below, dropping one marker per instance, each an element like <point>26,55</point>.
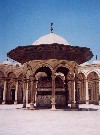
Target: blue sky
<point>24,21</point>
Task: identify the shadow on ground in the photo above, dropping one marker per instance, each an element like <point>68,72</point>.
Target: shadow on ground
<point>63,109</point>
<point>81,109</point>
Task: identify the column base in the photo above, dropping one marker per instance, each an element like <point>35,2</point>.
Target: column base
<point>32,106</point>
<point>53,106</point>
<point>3,102</point>
<point>74,105</point>
<point>24,104</point>
<point>87,102</point>
<point>99,102</point>
<point>15,102</point>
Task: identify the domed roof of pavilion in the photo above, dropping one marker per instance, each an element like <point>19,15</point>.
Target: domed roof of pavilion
<point>50,39</point>
<point>96,62</point>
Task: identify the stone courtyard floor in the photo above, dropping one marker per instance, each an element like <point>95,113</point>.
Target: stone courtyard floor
<point>46,122</point>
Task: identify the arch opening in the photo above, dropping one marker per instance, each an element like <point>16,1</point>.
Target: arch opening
<point>43,87</point>
<point>62,90</point>
<point>20,89</point>
<point>81,91</point>
<point>11,86</point>
<point>93,87</point>
<point>1,86</point>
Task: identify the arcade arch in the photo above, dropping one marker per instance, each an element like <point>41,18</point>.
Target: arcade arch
<point>20,89</point>
<point>11,87</point>
<point>62,90</point>
<point>93,87</point>
<point>81,89</point>
<point>43,87</point>
<point>1,85</point>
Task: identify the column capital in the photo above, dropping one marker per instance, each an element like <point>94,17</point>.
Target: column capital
<point>32,78</point>
<point>53,76</point>
<point>27,80</point>
<point>16,79</point>
<point>4,78</point>
<point>24,80</point>
<point>86,80</point>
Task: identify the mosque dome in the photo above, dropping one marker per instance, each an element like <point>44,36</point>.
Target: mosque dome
<point>7,62</point>
<point>96,62</point>
<point>17,64</point>
<point>84,64</point>
<point>50,39</point>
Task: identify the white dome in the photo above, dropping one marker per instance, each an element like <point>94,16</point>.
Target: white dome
<point>50,39</point>
<point>7,62</point>
<point>84,64</point>
<point>17,63</point>
<point>96,62</point>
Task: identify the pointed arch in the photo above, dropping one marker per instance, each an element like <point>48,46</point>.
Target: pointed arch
<point>64,66</point>
<point>11,75</point>
<point>41,65</point>
<point>95,71</point>
<point>93,87</point>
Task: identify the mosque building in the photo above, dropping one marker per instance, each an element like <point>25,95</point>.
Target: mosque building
<point>50,73</point>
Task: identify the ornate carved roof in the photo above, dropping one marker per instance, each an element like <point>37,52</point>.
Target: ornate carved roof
<point>24,54</point>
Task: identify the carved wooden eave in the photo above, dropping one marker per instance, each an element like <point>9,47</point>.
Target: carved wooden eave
<point>24,54</point>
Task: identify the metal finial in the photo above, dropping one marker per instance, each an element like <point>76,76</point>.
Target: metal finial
<point>96,57</point>
<point>51,28</point>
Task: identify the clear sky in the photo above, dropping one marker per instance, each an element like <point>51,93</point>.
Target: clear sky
<point>24,21</point>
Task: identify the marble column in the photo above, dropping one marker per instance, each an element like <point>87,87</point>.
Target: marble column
<point>74,105</point>
<point>53,93</point>
<point>4,92</point>
<point>16,91</point>
<point>32,93</point>
<point>74,99</point>
<point>24,94</point>
<point>87,92</point>
<point>27,89</point>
